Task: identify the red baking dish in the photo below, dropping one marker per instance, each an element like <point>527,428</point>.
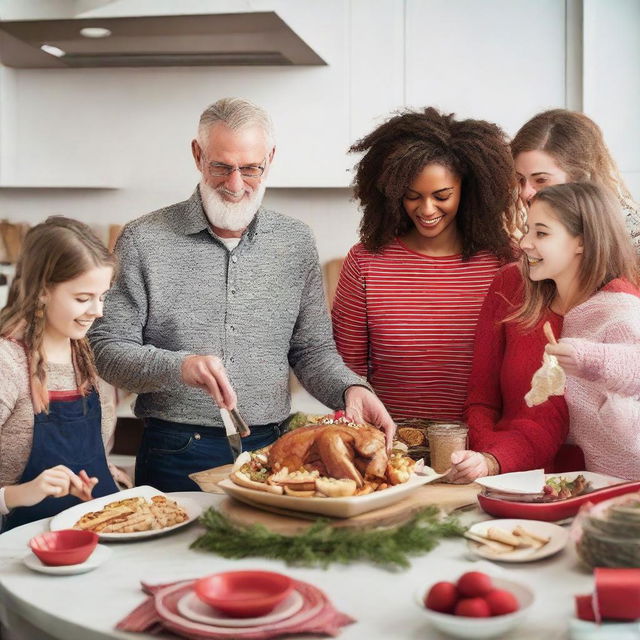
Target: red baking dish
<point>551,511</point>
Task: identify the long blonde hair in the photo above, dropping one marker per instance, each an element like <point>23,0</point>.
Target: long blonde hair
<point>576,143</point>
<point>587,210</point>
<point>55,251</point>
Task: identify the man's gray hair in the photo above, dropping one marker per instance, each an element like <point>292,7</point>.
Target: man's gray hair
<point>236,113</point>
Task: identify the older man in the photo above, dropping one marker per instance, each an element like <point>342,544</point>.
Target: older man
<point>217,295</point>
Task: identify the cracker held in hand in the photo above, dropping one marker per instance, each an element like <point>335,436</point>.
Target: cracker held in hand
<point>549,379</point>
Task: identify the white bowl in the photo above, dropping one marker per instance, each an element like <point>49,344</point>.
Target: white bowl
<point>468,627</point>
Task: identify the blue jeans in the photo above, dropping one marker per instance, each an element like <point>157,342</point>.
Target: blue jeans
<point>170,451</point>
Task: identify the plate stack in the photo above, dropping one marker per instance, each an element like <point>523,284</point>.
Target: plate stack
<point>177,608</point>
<point>610,533</point>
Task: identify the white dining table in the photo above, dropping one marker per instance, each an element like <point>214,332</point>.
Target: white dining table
<point>88,606</point>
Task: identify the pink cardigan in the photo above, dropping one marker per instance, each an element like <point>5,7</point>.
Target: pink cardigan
<point>604,401</point>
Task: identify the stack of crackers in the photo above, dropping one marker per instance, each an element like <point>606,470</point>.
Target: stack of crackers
<point>133,514</point>
<point>502,541</point>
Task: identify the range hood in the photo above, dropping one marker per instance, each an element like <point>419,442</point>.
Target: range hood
<point>256,38</point>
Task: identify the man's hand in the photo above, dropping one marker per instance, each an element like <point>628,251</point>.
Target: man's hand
<point>208,373</point>
<point>363,406</point>
<point>467,466</point>
<point>58,481</point>
<point>567,357</point>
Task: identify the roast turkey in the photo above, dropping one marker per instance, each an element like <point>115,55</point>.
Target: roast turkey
<point>335,450</point>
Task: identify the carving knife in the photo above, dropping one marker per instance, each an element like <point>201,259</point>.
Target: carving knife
<point>233,437</point>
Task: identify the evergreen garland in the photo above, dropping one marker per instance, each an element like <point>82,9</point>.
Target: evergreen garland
<point>321,544</point>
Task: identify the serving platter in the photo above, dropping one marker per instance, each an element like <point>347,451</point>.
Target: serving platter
<point>346,507</point>
<point>604,487</point>
<point>66,519</point>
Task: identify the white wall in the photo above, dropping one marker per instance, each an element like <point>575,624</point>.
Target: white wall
<point>612,79</point>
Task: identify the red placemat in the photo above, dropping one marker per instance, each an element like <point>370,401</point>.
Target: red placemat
<point>160,613</point>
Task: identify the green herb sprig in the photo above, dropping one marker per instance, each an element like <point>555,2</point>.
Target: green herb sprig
<point>321,544</point>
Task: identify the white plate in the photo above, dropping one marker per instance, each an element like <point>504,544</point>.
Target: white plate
<point>190,606</point>
<point>99,555</point>
<point>525,482</point>
<point>67,518</point>
<point>558,539</point>
<point>334,507</point>
<point>527,486</point>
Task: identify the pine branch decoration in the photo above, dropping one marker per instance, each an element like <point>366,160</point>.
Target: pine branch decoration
<point>322,544</point>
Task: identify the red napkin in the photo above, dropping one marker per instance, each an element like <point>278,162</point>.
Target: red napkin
<point>616,596</point>
<point>159,613</point>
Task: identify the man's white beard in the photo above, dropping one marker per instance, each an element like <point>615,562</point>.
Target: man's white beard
<point>233,216</point>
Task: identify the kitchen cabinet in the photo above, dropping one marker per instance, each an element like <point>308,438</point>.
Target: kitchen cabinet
<point>499,60</point>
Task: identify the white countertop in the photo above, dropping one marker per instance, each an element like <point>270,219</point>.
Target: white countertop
<point>88,606</point>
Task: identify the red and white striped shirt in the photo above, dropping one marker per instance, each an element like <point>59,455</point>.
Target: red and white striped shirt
<point>407,321</point>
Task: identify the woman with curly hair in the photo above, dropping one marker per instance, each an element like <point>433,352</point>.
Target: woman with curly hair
<point>559,146</point>
<point>437,196</point>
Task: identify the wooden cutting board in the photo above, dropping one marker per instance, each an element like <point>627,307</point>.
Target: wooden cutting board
<point>445,496</point>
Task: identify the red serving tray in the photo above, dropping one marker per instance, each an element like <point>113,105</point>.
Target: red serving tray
<point>551,511</point>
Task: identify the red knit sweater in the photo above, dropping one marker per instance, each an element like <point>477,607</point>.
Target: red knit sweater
<point>504,361</point>
<point>406,321</point>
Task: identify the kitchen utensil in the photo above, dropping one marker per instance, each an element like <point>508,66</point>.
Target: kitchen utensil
<point>241,426</point>
<point>233,437</point>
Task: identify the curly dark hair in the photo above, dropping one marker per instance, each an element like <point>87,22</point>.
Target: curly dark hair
<point>476,150</point>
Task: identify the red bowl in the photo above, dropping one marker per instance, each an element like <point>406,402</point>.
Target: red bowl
<point>244,594</point>
<point>67,546</point>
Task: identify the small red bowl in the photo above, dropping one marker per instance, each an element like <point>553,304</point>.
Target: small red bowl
<point>67,546</point>
<point>244,594</point>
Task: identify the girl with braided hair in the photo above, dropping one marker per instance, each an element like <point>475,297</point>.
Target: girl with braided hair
<point>438,200</point>
<point>52,427</point>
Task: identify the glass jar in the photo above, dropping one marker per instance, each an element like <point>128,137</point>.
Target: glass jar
<point>444,439</point>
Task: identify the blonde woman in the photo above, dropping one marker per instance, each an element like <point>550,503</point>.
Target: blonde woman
<point>559,146</point>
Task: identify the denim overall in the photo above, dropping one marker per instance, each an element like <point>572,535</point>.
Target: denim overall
<point>70,434</point>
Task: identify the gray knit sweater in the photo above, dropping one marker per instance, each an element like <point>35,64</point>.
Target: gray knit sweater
<point>260,308</point>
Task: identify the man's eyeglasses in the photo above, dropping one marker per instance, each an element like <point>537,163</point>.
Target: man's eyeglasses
<point>220,170</point>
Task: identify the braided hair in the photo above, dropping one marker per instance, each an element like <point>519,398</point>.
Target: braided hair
<point>55,251</point>
<point>475,150</point>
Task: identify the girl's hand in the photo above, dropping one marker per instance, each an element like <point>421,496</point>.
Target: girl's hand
<point>120,476</point>
<point>88,483</point>
<point>58,481</point>
<point>466,466</point>
<point>567,357</point>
